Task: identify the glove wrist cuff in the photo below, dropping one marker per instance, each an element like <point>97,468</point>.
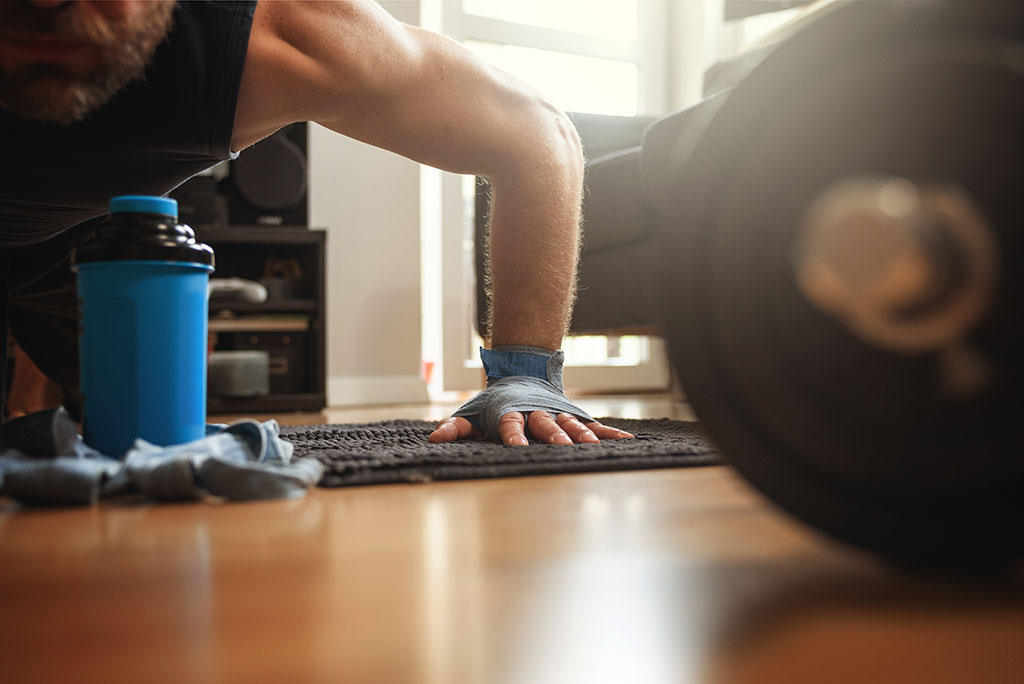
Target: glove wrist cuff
<point>519,360</point>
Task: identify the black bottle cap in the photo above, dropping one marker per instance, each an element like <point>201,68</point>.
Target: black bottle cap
<point>144,228</point>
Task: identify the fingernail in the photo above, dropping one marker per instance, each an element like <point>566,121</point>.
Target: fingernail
<point>590,437</point>
<point>561,439</point>
<point>519,440</point>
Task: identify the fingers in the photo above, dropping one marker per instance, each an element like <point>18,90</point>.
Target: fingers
<point>546,429</point>
<point>577,431</point>
<point>565,429</point>
<point>451,429</point>
<point>512,429</point>
<point>608,432</point>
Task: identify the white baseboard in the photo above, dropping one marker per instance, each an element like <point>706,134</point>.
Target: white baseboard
<point>363,390</point>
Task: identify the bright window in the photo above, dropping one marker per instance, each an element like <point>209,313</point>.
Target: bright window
<point>615,19</point>
<point>574,83</point>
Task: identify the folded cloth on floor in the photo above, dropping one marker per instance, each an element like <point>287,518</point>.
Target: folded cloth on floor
<point>44,460</point>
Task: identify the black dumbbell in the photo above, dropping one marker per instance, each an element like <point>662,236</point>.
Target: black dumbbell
<point>844,276</point>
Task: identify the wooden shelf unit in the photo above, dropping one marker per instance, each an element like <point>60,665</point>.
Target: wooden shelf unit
<point>293,327</point>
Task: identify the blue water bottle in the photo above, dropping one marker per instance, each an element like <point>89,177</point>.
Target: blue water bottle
<point>142,289</point>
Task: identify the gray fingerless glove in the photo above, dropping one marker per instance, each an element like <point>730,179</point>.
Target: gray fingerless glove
<point>519,378</point>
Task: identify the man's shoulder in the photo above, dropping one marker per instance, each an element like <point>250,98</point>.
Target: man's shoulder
<point>302,57</point>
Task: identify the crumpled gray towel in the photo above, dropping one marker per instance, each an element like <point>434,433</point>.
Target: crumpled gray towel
<point>43,460</point>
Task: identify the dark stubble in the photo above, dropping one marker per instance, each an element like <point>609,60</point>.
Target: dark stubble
<point>64,94</point>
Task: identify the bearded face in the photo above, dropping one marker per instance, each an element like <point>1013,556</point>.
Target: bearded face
<point>60,62</point>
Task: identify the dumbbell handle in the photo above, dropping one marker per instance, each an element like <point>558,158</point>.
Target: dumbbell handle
<point>905,268</point>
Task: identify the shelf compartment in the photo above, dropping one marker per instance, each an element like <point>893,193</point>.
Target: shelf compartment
<point>258,324</point>
<point>269,306</point>
<point>271,403</point>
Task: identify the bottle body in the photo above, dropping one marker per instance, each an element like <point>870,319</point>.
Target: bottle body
<point>143,289</point>
<point>142,351</point>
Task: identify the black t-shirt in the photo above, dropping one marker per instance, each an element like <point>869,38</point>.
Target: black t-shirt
<point>151,137</point>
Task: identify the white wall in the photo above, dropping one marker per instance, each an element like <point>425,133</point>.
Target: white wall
<point>691,45</point>
<point>368,200</point>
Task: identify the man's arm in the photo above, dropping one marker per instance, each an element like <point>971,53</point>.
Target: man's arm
<point>354,69</point>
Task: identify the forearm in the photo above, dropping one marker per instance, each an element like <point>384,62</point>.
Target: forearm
<point>534,246</point>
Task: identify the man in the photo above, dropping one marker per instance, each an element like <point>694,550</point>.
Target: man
<point>106,98</point>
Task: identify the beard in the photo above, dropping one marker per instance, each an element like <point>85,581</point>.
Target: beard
<point>54,92</point>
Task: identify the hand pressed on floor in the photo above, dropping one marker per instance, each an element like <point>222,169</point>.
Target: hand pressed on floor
<point>512,427</point>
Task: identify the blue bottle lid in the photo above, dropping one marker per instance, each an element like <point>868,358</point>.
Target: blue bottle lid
<point>144,204</point>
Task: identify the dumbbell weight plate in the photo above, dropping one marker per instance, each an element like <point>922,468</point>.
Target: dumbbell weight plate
<point>855,437</point>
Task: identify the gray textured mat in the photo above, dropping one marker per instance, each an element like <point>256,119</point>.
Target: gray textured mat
<point>397,451</point>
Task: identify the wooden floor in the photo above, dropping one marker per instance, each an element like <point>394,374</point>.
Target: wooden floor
<point>660,576</point>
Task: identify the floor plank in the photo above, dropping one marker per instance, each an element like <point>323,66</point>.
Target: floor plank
<point>682,575</point>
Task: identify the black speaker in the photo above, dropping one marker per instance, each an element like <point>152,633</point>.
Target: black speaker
<point>200,203</point>
<point>266,185</point>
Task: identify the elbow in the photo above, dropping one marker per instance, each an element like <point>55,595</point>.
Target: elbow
<point>551,141</point>
<point>564,141</point>
<point>571,144</point>
<point>529,136</point>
